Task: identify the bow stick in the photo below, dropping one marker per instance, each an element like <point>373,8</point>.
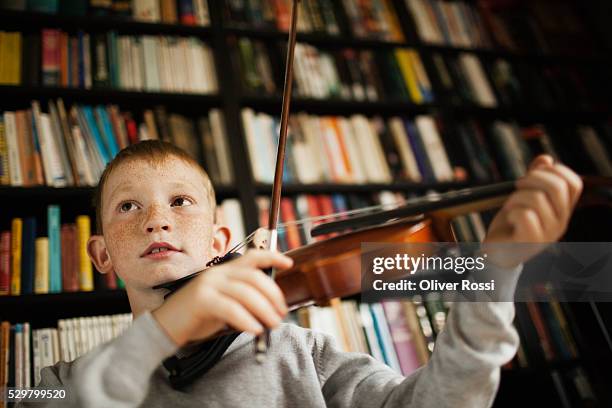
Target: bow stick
<point>264,339</point>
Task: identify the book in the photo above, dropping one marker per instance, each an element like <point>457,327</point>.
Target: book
<point>5,264</point>
<point>16,248</point>
<point>401,336</point>
<point>55,265</point>
<point>41,268</point>
<point>28,255</point>
<point>83,232</point>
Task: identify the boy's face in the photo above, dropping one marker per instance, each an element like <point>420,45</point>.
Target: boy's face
<point>146,206</point>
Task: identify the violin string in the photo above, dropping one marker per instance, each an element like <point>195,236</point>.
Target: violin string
<point>321,218</point>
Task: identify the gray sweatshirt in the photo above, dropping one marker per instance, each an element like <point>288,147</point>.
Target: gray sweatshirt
<point>303,368</point>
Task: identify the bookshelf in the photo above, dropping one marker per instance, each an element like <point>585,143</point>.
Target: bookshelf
<point>232,98</point>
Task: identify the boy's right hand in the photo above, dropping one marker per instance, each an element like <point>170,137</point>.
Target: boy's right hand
<point>236,294</point>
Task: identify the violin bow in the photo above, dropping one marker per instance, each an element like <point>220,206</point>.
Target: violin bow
<point>263,340</point>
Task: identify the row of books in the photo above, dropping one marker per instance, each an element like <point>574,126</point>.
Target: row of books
<point>375,19</point>
<point>52,263</point>
<point>537,26</point>
<point>516,26</point>
<point>186,12</point>
<point>353,149</point>
<point>345,74</point>
<point>402,334</point>
<point>314,16</point>
<point>456,23</point>
<point>71,147</point>
<point>25,351</point>
<point>399,333</point>
<point>47,256</point>
<point>400,74</point>
<point>466,80</point>
<point>146,63</point>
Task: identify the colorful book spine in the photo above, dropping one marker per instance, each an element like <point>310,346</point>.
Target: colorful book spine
<point>16,234</point>
<point>41,268</point>
<point>83,223</point>
<point>55,249</point>
<point>5,264</point>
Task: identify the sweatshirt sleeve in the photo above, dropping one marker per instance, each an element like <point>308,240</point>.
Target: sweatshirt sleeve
<point>463,371</point>
<point>115,374</point>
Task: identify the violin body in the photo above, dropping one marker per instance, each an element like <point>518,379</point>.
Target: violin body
<point>331,268</point>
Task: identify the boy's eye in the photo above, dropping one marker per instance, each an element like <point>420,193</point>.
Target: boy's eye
<point>181,202</point>
<point>127,207</point>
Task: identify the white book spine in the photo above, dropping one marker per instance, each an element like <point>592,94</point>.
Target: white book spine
<point>151,72</point>
<point>434,148</point>
<point>312,135</point>
<point>478,80</point>
<point>51,157</point>
<point>217,126</point>
<point>19,358</point>
<point>211,72</point>
<point>355,158</point>
<point>82,160</point>
<point>61,330</point>
<point>46,348</point>
<point>232,214</point>
<point>405,150</point>
<point>56,345</point>
<point>10,126</point>
<point>36,356</point>
<point>27,367</point>
<point>248,122</point>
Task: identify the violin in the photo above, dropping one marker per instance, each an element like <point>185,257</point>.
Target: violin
<point>331,268</point>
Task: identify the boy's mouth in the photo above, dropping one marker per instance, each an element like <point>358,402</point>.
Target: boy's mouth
<point>158,250</point>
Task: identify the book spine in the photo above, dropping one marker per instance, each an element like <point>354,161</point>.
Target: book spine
<point>5,265</point>
<point>55,249</point>
<point>28,255</point>
<point>50,57</point>
<point>41,268</point>
<point>186,12</point>
<point>85,269</point>
<point>5,178</point>
<point>16,237</point>
<point>10,126</point>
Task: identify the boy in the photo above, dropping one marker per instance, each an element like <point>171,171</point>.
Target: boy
<point>155,214</point>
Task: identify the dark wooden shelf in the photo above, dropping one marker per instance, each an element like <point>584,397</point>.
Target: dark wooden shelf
<point>51,193</point>
<point>331,188</point>
<point>335,106</point>
<point>335,41</point>
<point>48,308</point>
<point>395,107</point>
<point>10,19</point>
<point>20,94</point>
<point>319,39</point>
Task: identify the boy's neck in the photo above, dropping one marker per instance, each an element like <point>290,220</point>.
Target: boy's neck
<point>143,300</point>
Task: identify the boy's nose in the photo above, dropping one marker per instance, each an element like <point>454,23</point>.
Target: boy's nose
<point>157,221</point>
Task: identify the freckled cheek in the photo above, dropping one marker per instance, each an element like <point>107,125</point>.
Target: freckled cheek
<point>120,237</point>
<point>196,232</point>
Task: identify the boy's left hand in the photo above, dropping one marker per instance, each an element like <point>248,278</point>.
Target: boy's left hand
<point>537,212</point>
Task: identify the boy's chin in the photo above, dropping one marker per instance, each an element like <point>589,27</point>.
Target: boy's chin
<point>166,275</point>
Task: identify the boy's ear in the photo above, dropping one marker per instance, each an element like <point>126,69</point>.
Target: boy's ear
<point>96,249</point>
<point>220,240</point>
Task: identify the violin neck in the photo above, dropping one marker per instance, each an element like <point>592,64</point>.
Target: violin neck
<point>447,205</point>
